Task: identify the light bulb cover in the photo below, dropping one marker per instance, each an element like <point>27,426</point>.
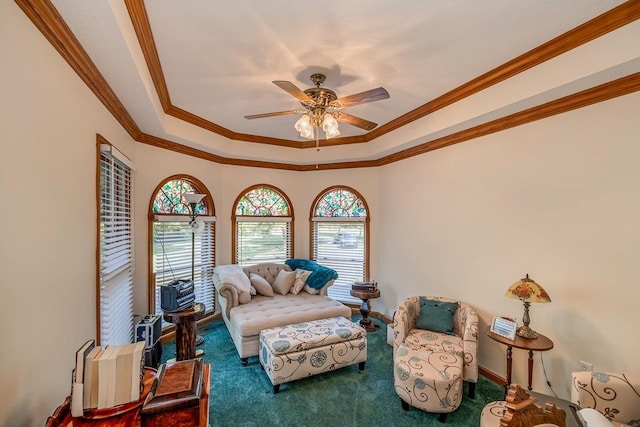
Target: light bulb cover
<point>304,126</point>
<point>330,126</point>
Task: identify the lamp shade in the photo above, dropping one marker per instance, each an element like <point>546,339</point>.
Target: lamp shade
<point>193,198</point>
<point>528,290</point>
<point>304,126</point>
<point>330,126</point>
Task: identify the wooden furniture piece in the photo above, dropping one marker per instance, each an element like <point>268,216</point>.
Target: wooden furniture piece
<point>180,396</point>
<point>127,415</point>
<point>185,322</point>
<point>519,410</point>
<point>541,343</point>
<point>365,309</point>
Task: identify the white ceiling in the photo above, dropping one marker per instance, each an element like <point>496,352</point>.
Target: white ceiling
<point>219,57</point>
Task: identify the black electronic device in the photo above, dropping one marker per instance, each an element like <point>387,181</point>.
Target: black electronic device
<point>177,296</point>
<point>149,329</point>
<point>365,286</point>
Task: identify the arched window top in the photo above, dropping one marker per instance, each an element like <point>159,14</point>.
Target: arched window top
<point>340,202</point>
<point>263,200</point>
<point>169,197</point>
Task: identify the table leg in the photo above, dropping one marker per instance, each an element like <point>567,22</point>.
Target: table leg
<point>185,340</point>
<point>509,365</point>
<point>365,322</point>
<point>530,367</point>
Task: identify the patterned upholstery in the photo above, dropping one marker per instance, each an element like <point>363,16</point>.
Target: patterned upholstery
<point>464,343</point>
<point>301,350</point>
<point>616,396</point>
<point>428,380</point>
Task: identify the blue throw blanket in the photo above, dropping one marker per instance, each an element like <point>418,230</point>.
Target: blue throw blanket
<point>320,274</point>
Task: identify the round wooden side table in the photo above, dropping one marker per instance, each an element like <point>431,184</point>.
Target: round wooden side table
<point>185,322</point>
<point>365,309</point>
<point>541,343</point>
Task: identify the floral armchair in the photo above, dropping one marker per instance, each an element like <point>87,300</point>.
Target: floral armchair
<point>616,396</point>
<point>462,342</point>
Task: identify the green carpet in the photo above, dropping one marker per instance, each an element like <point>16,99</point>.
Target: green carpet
<point>242,396</point>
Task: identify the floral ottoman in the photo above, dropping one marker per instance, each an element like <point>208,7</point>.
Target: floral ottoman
<point>428,380</point>
<point>301,350</point>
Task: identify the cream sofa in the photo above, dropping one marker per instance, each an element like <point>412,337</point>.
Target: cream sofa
<point>246,315</point>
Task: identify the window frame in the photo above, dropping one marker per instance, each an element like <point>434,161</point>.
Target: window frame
<point>115,159</point>
<point>335,219</point>
<point>200,188</point>
<point>235,218</point>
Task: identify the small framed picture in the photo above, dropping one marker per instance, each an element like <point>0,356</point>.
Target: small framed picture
<point>504,327</point>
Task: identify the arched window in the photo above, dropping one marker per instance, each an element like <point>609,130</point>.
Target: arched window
<point>262,226</point>
<point>174,240</point>
<point>340,238</point>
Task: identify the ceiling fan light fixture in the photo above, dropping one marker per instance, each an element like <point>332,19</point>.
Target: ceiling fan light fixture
<point>304,126</point>
<point>330,126</point>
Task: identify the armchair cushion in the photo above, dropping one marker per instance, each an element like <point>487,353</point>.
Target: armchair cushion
<point>436,315</point>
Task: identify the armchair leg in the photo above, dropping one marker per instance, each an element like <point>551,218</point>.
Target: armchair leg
<point>472,390</point>
<point>244,361</point>
<point>405,405</point>
<point>442,418</point>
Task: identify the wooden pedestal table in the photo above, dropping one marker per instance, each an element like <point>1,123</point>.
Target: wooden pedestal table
<point>185,322</point>
<point>541,343</point>
<point>365,309</point>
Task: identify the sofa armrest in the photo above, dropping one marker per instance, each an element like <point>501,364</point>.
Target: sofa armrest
<point>404,319</point>
<point>228,292</point>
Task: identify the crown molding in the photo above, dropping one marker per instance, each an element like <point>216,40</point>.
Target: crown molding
<point>47,19</point>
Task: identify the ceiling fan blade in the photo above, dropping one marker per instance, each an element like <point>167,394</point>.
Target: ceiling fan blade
<point>277,113</point>
<point>372,95</point>
<point>292,90</point>
<point>354,121</point>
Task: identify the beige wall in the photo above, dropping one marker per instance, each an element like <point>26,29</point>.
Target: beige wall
<point>49,120</point>
<point>556,199</point>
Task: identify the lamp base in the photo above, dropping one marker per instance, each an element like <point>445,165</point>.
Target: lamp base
<point>526,332</point>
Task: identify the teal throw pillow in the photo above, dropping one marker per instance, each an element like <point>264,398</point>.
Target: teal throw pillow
<point>436,315</point>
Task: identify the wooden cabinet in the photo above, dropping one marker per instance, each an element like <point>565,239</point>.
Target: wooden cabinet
<point>180,396</point>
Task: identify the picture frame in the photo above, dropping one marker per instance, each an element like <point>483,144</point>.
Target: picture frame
<point>504,327</point>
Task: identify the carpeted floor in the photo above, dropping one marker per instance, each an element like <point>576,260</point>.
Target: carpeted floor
<point>242,396</point>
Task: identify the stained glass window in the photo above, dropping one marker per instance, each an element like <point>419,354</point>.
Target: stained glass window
<point>169,198</point>
<point>180,252</point>
<point>340,238</point>
<point>262,201</point>
<point>262,226</point>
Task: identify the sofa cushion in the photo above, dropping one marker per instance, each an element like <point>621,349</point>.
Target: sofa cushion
<point>261,285</point>
<point>436,315</point>
<point>235,276</point>
<point>284,281</point>
<point>434,341</point>
<point>300,281</point>
<point>269,312</point>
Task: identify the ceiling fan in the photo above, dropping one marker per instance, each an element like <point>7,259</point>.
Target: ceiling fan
<point>322,107</point>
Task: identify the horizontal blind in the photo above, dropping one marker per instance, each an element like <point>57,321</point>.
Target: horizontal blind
<point>172,259</point>
<point>116,255</point>
<point>341,246</point>
<point>260,240</point>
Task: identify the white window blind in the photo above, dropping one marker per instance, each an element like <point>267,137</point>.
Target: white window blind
<point>341,245</point>
<point>172,257</point>
<point>265,239</point>
<point>116,255</point>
